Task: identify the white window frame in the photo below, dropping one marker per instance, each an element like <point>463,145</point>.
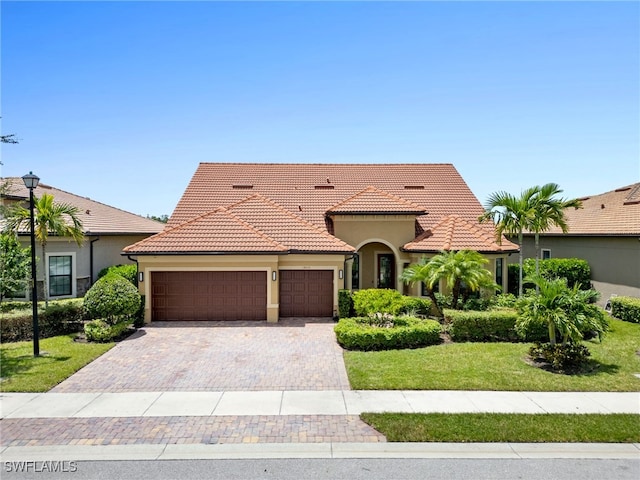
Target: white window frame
<point>74,281</point>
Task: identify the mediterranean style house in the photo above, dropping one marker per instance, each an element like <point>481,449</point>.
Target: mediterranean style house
<point>605,233</point>
<point>267,241</point>
<point>107,231</point>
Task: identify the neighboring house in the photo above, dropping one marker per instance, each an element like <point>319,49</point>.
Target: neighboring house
<point>605,233</point>
<point>265,241</point>
<point>107,231</point>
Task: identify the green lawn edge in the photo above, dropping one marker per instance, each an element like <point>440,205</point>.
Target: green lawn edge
<point>60,357</point>
<point>499,366</point>
<point>506,427</point>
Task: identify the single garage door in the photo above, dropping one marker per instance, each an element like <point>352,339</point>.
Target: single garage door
<point>208,296</point>
<point>306,293</point>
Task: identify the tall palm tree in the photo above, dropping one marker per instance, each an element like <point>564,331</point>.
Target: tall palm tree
<point>512,216</point>
<point>455,268</point>
<point>60,219</point>
<point>549,211</point>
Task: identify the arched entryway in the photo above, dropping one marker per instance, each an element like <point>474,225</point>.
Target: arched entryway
<point>375,265</point>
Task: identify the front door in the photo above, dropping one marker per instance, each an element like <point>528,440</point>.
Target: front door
<point>386,270</point>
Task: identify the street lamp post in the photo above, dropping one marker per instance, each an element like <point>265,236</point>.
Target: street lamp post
<point>31,182</point>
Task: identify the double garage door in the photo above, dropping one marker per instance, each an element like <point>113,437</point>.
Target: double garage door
<point>238,295</point>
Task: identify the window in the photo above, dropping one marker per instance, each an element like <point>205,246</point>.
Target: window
<point>60,275</point>
<point>546,254</point>
<point>355,273</point>
<point>499,266</point>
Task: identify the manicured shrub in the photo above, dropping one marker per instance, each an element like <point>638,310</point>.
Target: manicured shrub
<point>101,331</point>
<point>138,320</point>
<point>416,306</point>
<point>130,272</point>
<point>377,300</point>
<point>345,303</point>
<point>385,332</point>
<point>482,326</point>
<point>575,270</point>
<point>112,298</point>
<point>626,308</point>
<point>59,319</point>
<point>562,358</point>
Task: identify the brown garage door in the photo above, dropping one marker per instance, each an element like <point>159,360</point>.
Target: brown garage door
<point>306,293</point>
<point>209,295</point>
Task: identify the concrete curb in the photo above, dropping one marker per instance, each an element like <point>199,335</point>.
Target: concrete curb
<point>322,450</point>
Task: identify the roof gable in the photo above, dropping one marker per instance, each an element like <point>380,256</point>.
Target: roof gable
<point>255,224</point>
<point>372,200</point>
<point>456,233</point>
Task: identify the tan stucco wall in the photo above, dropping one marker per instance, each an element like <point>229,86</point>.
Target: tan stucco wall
<point>267,263</point>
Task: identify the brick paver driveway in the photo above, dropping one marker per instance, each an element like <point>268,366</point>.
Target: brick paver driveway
<point>294,354</point>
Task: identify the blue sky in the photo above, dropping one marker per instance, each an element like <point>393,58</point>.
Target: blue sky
<point>120,101</point>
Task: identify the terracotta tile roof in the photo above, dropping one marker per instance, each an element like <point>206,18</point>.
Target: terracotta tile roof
<point>456,233</point>
<point>372,200</point>
<point>309,190</point>
<point>254,224</point>
<point>97,218</point>
<point>612,213</point>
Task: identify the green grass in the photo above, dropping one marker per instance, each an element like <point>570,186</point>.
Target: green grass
<point>60,358</point>
<point>497,366</point>
<point>504,427</point>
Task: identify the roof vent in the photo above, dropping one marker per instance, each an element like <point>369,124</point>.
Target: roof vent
<point>623,189</point>
<point>242,187</point>
<point>414,187</point>
<point>324,187</point>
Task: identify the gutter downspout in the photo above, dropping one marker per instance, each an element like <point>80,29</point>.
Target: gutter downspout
<point>91,259</point>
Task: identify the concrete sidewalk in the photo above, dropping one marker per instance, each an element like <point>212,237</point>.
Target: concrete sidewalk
<point>328,402</point>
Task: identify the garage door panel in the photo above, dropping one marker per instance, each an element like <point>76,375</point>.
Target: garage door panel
<point>209,295</point>
<point>306,293</point>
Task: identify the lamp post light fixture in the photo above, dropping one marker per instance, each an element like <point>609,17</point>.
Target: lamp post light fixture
<point>31,182</point>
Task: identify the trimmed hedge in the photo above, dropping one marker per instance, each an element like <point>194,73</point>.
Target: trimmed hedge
<point>130,272</point>
<point>368,333</point>
<point>59,319</point>
<point>345,304</point>
<point>101,331</point>
<point>626,308</point>
<point>498,325</point>
<point>575,270</point>
<point>112,298</point>
<point>383,300</point>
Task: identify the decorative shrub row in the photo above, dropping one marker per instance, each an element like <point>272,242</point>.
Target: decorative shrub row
<point>386,333</point>
<point>575,270</point>
<point>58,319</point>
<point>626,308</point>
<point>498,325</point>
<point>383,300</point>
<point>130,272</point>
<point>101,331</point>
<point>562,358</point>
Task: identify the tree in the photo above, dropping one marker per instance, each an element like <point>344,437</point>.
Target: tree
<point>15,263</point>
<point>548,211</point>
<point>567,311</point>
<point>58,219</point>
<point>456,268</point>
<point>512,216</point>
<point>162,218</point>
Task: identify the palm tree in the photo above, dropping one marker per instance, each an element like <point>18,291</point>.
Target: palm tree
<point>512,215</point>
<point>455,268</point>
<point>60,219</point>
<point>548,212</point>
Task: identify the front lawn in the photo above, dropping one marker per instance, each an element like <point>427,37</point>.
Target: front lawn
<point>504,427</point>
<point>497,366</point>
<point>60,357</point>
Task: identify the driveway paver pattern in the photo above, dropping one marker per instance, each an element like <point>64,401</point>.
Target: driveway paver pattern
<point>294,354</point>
